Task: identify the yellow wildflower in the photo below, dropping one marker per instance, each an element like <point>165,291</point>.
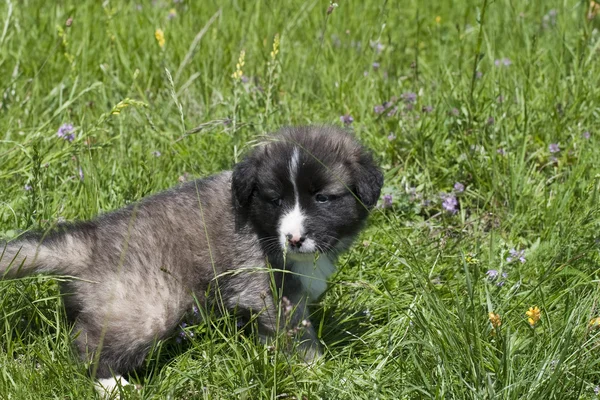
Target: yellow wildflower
<point>534,315</point>
<point>470,259</point>
<point>495,320</point>
<point>275,47</point>
<point>237,75</point>
<point>593,10</point>
<point>160,37</point>
<point>438,19</point>
<point>595,322</point>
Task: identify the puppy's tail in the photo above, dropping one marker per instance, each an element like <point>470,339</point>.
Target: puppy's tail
<point>55,253</point>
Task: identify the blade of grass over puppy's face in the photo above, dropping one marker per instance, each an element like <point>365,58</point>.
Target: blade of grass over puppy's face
<point>503,102</point>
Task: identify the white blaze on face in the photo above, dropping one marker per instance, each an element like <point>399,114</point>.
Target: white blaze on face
<point>312,272</point>
<point>292,221</point>
<point>291,224</point>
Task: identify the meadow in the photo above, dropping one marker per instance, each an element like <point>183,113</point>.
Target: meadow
<point>478,275</point>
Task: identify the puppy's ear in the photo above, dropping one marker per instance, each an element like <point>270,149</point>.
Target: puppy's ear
<point>243,181</point>
<point>369,180</point>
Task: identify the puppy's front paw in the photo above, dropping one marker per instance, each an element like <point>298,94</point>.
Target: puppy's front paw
<point>311,352</point>
<point>109,388</point>
<point>309,347</point>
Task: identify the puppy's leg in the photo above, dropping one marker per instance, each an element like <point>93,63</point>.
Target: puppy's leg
<point>117,341</point>
<point>296,314</point>
<point>287,315</point>
<point>108,358</point>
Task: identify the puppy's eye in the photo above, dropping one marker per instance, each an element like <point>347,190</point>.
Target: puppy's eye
<point>277,202</point>
<point>321,198</point>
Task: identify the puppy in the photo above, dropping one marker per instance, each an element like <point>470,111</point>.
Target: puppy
<point>278,220</point>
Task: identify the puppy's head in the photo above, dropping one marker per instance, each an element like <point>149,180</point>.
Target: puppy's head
<point>307,190</point>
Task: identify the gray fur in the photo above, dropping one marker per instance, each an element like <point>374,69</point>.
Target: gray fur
<point>140,268</point>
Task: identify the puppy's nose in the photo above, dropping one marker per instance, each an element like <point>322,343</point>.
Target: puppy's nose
<point>295,240</point>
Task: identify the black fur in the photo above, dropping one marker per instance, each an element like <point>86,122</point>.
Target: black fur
<point>264,175</point>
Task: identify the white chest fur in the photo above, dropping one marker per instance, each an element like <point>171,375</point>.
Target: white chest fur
<point>313,274</point>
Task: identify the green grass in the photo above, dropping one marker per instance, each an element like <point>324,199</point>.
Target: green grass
<point>407,314</point>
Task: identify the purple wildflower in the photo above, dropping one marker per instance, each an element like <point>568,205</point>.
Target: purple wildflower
<point>503,62</point>
<point>492,274</point>
<point>195,310</point>
<point>27,187</point>
<point>501,151</point>
<point>172,14</point>
<point>490,121</point>
<point>450,203</point>
<point>391,137</point>
<point>597,390</point>
<point>554,148</point>
<point>501,283</point>
<point>245,79</point>
<point>409,97</point>
<point>80,174</point>
<point>427,109</point>
<point>478,74</point>
<point>459,187</point>
<point>379,109</point>
<point>65,132</point>
<point>336,40</point>
<point>516,255</point>
<point>376,66</point>
<point>392,112</point>
<point>347,119</point>
<point>586,135</point>
<point>550,18</point>
<point>413,195</point>
<point>387,201</point>
<point>377,46</point>
<point>156,153</point>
